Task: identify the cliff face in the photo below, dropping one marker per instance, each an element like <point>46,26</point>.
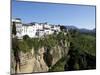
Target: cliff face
<point>46,53</point>
<point>42,60</point>
<point>31,62</point>
<point>58,52</point>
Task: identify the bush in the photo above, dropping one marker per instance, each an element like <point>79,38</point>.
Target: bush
<point>25,37</point>
<point>23,46</point>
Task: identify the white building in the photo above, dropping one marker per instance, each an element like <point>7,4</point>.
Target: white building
<point>34,29</point>
<point>28,30</point>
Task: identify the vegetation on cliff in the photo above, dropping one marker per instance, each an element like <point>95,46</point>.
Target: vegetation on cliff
<point>81,55</point>
<point>48,42</point>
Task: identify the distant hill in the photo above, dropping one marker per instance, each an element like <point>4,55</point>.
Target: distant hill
<point>82,30</point>
<point>71,27</point>
<point>94,30</point>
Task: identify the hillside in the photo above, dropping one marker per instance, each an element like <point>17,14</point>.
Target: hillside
<point>54,53</point>
<point>81,55</point>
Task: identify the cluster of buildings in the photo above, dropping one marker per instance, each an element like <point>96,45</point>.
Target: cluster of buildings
<point>34,29</point>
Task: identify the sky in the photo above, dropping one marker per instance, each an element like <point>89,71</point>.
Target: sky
<point>81,16</point>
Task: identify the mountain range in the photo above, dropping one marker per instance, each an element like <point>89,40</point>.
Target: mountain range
<point>82,30</point>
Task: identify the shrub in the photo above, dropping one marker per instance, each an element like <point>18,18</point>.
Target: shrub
<point>23,46</point>
<point>25,37</point>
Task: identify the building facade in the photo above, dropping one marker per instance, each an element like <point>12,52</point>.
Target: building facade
<point>34,29</point>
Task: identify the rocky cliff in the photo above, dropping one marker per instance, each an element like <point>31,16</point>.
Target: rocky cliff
<point>42,60</point>
<point>40,54</point>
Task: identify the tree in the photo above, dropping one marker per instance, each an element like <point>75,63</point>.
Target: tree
<point>16,52</point>
<point>62,28</point>
<point>25,37</point>
<point>14,28</point>
<point>74,33</point>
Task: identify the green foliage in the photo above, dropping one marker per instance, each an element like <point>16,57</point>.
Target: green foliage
<point>29,43</point>
<point>80,60</point>
<point>36,44</point>
<point>83,42</point>
<point>81,52</point>
<point>23,46</point>
<point>60,36</point>
<point>76,66</point>
<point>74,33</point>
<point>59,66</point>
<point>25,37</point>
<point>48,42</point>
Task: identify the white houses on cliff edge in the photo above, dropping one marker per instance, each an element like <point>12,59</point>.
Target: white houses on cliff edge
<point>34,29</point>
